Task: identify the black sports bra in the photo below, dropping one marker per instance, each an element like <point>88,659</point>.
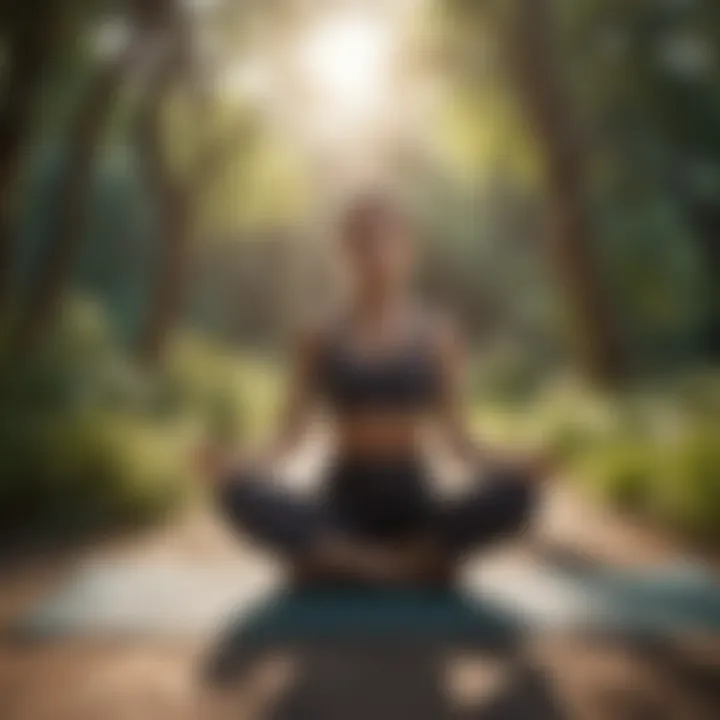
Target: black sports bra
<point>408,378</point>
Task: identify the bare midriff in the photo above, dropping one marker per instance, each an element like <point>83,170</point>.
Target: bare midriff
<point>378,434</point>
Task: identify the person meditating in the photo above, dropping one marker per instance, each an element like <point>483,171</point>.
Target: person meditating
<point>386,372</point>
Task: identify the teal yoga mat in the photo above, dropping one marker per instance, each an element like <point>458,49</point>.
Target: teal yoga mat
<point>375,614</point>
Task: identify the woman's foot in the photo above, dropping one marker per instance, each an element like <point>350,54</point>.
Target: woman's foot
<point>416,563</point>
<point>421,562</point>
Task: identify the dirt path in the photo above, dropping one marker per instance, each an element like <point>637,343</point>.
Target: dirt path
<point>561,677</point>
<point>567,679</point>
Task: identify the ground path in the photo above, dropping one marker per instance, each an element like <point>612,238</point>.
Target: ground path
<point>75,679</point>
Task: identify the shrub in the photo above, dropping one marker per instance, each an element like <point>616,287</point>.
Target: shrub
<point>573,422</point>
<point>204,381</point>
<point>508,374</point>
<point>623,473</point>
<point>699,393</point>
<point>651,450</point>
<point>688,496</point>
<point>76,451</point>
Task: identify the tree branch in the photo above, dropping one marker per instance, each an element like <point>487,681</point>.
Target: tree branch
<point>90,121</point>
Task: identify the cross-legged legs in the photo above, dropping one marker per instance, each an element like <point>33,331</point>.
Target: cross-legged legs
<point>310,535</point>
<point>502,504</point>
<point>307,533</point>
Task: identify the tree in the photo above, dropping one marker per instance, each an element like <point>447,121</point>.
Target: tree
<point>646,77</point>
<point>54,275</point>
<point>531,54</point>
<point>32,31</point>
<point>176,198</point>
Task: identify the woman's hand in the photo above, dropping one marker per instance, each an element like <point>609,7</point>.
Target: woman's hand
<point>538,465</point>
<point>219,464</point>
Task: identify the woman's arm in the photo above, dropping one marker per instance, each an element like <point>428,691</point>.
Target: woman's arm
<point>300,399</point>
<point>296,412</point>
<point>454,420</point>
<point>453,417</point>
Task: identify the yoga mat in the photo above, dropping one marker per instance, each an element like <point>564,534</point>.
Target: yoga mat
<point>186,599</point>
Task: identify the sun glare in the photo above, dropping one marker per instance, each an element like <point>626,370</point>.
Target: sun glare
<point>332,85</point>
<point>345,60</point>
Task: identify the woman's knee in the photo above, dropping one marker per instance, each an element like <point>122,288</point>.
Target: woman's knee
<point>262,512</point>
<point>514,498</point>
<point>504,505</point>
<point>235,499</point>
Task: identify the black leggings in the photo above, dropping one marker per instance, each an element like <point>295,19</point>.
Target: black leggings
<point>290,525</point>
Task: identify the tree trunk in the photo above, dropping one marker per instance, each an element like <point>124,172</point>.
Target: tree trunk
<point>31,43</point>
<point>530,52</point>
<point>173,217</point>
<point>175,198</point>
<point>169,287</point>
<point>55,272</point>
<point>165,24</point>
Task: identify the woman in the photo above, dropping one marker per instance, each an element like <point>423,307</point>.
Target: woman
<point>384,374</point>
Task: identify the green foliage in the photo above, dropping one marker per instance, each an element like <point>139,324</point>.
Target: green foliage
<point>79,449</point>
<point>90,441</point>
<point>646,78</point>
<point>87,471</point>
<point>506,375</point>
<point>660,458</point>
<point>689,491</point>
<point>483,131</point>
<point>656,277</point>
<point>623,472</point>
<point>650,451</point>
<point>699,393</point>
<point>571,421</point>
<point>116,255</point>
<point>206,381</point>
<point>675,482</point>
<point>642,82</point>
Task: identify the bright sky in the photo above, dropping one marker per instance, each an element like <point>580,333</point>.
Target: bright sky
<point>334,87</point>
<point>346,60</point>
<point>342,59</point>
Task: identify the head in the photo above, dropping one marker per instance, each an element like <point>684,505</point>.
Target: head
<point>377,240</point>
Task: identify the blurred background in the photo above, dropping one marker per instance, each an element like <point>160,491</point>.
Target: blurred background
<point>170,177</point>
<point>170,172</point>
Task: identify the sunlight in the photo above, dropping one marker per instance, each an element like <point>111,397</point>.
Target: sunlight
<point>246,80</point>
<point>333,85</point>
<point>346,59</point>
<point>110,38</point>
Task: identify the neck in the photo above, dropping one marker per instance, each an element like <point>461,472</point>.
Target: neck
<point>375,307</point>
